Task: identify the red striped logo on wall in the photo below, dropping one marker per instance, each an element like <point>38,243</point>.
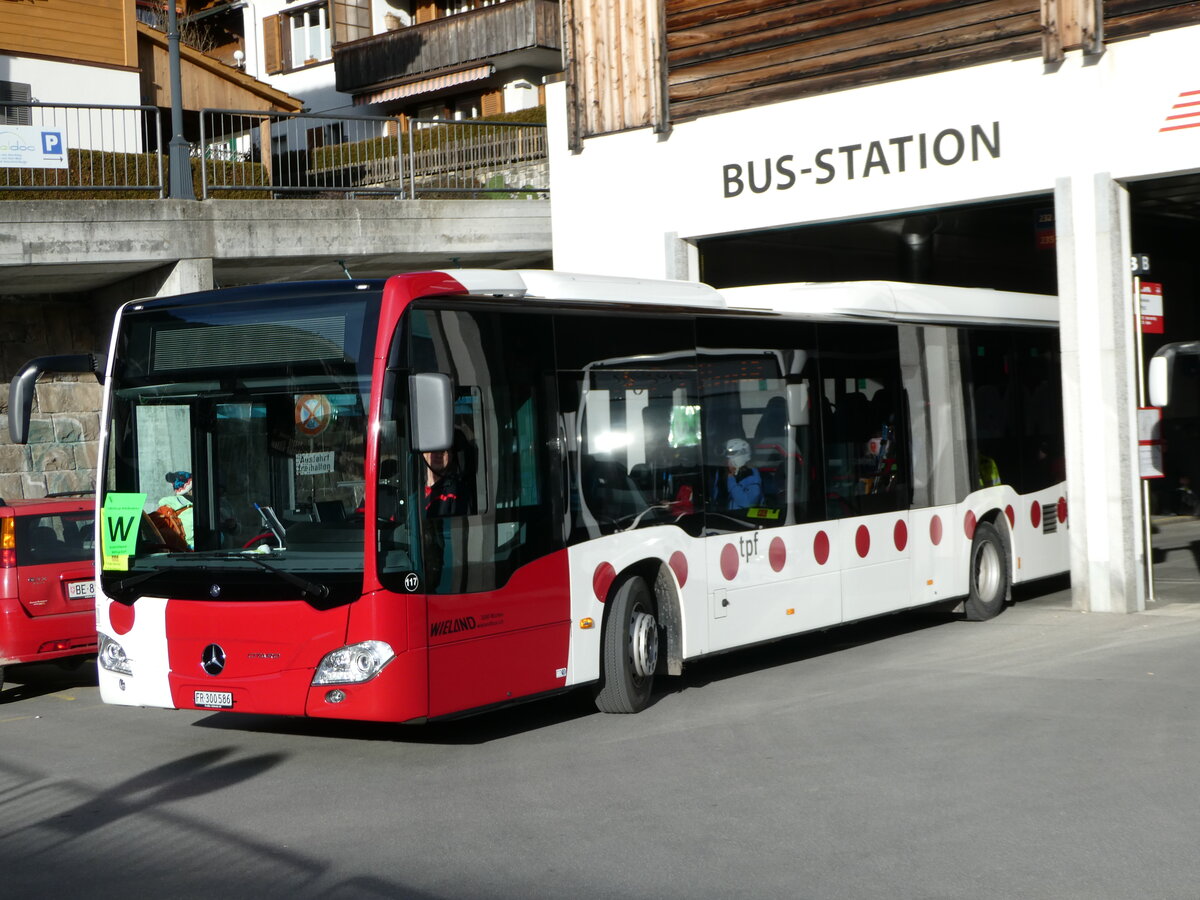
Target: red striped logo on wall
<point>1185,113</point>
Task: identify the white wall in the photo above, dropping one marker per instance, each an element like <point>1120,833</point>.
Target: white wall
<point>520,93</point>
<point>69,83</point>
<point>61,82</point>
<point>615,202</point>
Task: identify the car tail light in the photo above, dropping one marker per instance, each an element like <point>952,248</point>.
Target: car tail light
<point>8,542</point>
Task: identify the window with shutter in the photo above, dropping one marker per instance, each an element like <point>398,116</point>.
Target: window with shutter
<point>492,103</point>
<point>307,35</point>
<point>273,60</point>
<point>15,92</point>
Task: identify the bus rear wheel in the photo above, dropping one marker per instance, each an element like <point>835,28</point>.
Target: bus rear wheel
<point>989,581</point>
<point>630,653</point>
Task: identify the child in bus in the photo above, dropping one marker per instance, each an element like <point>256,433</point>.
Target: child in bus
<point>175,509</point>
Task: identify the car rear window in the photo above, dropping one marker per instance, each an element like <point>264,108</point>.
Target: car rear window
<point>55,538</point>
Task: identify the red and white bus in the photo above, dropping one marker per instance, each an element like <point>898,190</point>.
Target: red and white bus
<point>448,491</point>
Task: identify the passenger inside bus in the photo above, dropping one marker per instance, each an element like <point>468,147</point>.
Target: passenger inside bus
<point>739,485</point>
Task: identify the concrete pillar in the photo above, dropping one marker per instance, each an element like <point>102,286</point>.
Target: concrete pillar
<point>682,258</point>
<point>1099,394</point>
<point>185,276</point>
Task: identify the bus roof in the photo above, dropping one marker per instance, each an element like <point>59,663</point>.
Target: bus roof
<point>894,301</point>
<point>550,285</point>
<point>897,301</point>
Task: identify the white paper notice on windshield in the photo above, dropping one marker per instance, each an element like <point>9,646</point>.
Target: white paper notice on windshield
<point>314,463</point>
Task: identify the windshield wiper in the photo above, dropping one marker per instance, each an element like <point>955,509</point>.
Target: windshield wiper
<point>308,588</point>
<point>312,589</point>
<point>125,584</point>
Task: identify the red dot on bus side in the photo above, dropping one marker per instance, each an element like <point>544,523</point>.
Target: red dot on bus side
<point>969,524</point>
<point>729,562</point>
<point>678,564</point>
<point>602,580</point>
<point>821,548</point>
<point>120,617</point>
<point>862,541</point>
<point>935,530</point>
<point>900,534</point>
<point>1012,516</point>
<point>1035,514</point>
<point>777,554</point>
<point>1062,509</point>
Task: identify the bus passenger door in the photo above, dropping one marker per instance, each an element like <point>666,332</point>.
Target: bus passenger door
<point>868,466</point>
<point>762,493</point>
<point>495,571</point>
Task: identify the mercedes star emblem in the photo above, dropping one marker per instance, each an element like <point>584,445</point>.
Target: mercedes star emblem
<point>212,660</point>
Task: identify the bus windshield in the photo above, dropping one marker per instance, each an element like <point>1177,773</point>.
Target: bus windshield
<point>240,430</point>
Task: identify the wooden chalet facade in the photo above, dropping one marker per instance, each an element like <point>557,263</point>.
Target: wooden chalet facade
<point>634,64</point>
<point>444,55</point>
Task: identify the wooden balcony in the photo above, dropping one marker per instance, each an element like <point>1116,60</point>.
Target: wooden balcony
<point>508,29</point>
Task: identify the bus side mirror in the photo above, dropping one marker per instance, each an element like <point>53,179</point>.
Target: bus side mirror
<point>797,401</point>
<point>21,389</point>
<point>1159,381</point>
<point>432,411</point>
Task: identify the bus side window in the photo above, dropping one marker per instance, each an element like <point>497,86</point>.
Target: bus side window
<point>867,465</point>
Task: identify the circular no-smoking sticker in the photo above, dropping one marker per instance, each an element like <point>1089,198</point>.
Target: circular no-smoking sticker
<point>313,414</point>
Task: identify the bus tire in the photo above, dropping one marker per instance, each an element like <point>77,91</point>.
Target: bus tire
<point>989,580</point>
<point>630,652</point>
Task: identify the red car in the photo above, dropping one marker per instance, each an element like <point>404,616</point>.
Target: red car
<point>47,580</point>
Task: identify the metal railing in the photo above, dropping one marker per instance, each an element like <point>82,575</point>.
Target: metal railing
<point>299,153</point>
<point>103,148</point>
<point>121,149</point>
<point>323,155</point>
<point>479,158</point>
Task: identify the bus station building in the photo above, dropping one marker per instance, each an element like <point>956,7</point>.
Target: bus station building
<point>1019,146</point>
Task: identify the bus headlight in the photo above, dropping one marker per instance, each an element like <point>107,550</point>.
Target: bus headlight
<point>354,663</point>
<point>112,656</point>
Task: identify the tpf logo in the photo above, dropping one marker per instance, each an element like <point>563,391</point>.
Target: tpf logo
<point>52,143</point>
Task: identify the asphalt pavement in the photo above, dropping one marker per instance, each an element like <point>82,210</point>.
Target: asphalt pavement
<point>1047,753</point>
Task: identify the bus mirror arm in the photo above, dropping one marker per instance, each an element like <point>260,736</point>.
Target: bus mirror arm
<point>797,402</point>
<point>432,411</point>
<point>21,389</point>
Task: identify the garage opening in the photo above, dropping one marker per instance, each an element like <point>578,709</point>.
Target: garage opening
<point>1010,245</point>
<point>1165,221</point>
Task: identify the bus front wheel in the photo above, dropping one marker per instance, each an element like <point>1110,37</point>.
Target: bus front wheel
<point>630,652</point>
<point>989,584</point>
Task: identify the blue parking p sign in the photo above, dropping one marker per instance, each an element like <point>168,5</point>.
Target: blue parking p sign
<point>52,143</point>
